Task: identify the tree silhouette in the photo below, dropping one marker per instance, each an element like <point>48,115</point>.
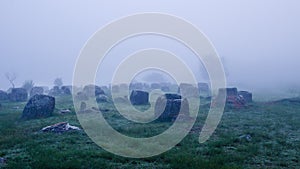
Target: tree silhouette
<point>11,77</point>
<point>28,85</point>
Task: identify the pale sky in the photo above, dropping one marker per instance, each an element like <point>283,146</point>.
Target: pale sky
<point>257,40</point>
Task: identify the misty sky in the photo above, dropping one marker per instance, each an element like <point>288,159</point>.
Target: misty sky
<point>257,40</point>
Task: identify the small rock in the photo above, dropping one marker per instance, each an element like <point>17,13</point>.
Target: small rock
<point>64,111</point>
<point>15,108</point>
<point>121,100</point>
<point>246,137</point>
<point>231,148</point>
<point>2,160</point>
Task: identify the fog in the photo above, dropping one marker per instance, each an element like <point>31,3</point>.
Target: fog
<point>258,41</point>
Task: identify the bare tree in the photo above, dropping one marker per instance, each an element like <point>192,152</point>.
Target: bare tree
<point>58,82</point>
<point>11,77</point>
<point>28,85</point>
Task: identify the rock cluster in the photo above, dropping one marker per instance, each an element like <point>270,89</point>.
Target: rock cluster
<point>235,98</point>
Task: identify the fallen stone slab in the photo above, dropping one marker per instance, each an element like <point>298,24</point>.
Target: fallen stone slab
<point>60,128</point>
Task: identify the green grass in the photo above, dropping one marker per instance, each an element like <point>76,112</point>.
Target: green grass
<point>274,130</point>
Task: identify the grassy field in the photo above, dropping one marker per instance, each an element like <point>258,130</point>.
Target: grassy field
<point>263,135</point>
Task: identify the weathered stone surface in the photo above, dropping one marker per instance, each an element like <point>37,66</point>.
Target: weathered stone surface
<point>246,137</point>
<point>36,90</point>
<point>138,97</point>
<point>3,95</point>
<point>18,95</point>
<point>39,106</point>
<point>247,96</point>
<point>60,128</point>
<point>168,107</point>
